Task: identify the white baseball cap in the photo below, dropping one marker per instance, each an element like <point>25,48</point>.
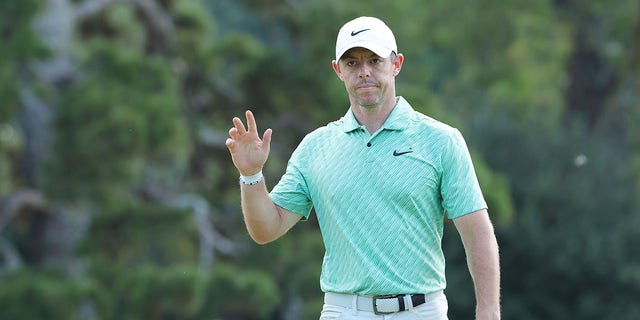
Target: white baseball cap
<point>366,32</point>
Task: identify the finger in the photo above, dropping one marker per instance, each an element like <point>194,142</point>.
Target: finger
<point>266,138</point>
<point>251,122</point>
<point>229,143</point>
<point>233,133</point>
<point>239,126</point>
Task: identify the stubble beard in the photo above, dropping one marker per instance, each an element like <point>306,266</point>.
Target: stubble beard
<point>369,100</point>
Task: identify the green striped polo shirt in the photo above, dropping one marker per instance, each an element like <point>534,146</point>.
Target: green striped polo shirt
<point>381,199</point>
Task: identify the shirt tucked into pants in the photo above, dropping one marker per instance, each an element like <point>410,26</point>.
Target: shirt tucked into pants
<point>435,308</point>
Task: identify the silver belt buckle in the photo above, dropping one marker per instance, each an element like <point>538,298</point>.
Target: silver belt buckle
<point>382,297</point>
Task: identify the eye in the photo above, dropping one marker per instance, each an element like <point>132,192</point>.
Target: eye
<point>351,63</point>
<point>376,60</point>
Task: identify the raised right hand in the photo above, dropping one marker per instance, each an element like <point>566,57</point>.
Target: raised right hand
<point>248,151</point>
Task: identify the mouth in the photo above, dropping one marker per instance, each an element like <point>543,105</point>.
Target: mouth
<point>366,86</point>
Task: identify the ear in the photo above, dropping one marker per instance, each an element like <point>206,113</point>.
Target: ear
<point>397,65</point>
<point>336,68</point>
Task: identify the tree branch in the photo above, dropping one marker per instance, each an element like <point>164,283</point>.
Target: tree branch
<point>210,238</point>
<point>55,27</point>
<point>90,8</point>
<point>9,257</point>
<point>10,207</point>
<point>35,118</point>
<point>14,203</point>
<point>159,25</point>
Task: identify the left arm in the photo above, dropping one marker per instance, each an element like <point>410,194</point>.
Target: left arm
<point>481,247</point>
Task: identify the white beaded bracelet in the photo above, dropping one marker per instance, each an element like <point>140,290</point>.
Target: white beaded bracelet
<point>252,179</point>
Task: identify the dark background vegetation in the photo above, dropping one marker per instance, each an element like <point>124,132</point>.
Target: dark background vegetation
<point>118,199</point>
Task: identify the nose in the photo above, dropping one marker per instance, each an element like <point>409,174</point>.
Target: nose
<point>364,71</point>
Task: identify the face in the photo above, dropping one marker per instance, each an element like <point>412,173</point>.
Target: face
<point>368,78</point>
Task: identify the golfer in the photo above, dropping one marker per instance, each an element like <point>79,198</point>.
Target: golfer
<point>382,179</point>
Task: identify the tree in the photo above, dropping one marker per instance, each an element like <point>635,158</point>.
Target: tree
<point>118,198</point>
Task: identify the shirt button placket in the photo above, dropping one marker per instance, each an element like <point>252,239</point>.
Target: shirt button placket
<point>370,153</point>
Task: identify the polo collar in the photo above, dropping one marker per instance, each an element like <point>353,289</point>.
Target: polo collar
<point>397,120</point>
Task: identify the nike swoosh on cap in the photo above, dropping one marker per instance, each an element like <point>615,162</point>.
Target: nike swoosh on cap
<point>354,33</point>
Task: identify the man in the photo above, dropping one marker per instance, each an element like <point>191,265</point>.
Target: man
<point>382,179</point>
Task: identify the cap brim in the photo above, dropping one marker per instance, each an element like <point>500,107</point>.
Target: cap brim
<point>380,50</point>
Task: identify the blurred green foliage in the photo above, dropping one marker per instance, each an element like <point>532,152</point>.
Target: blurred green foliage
<point>135,99</point>
<point>546,94</point>
<point>31,294</point>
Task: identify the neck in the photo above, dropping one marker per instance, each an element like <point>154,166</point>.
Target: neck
<point>373,117</point>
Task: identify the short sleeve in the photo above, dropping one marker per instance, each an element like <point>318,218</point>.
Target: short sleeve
<point>292,192</point>
<point>460,190</point>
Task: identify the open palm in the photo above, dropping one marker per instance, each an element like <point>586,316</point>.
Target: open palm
<point>248,151</point>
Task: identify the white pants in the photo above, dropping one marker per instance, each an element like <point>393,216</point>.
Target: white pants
<point>431,310</point>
